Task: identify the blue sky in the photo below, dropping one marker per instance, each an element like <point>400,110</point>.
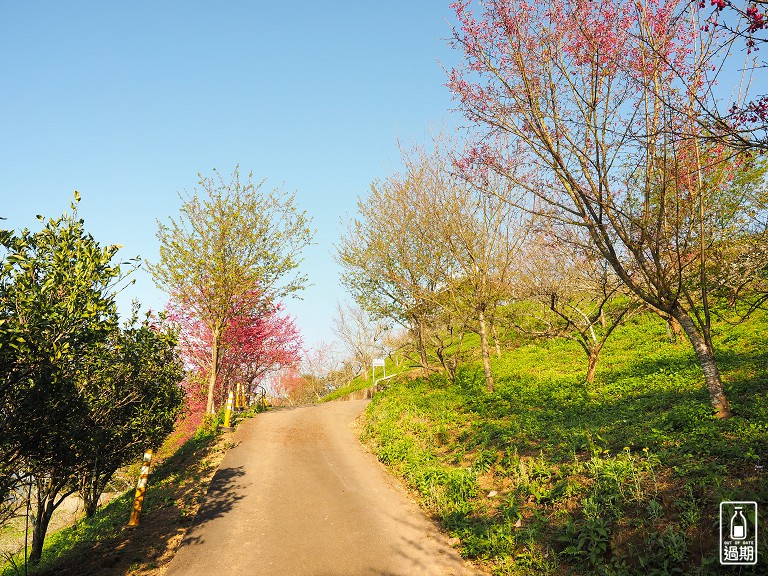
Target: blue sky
<point>127,102</point>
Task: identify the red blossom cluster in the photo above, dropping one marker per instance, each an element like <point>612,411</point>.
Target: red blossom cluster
<point>753,113</point>
<point>563,42</point>
<point>751,16</point>
<point>757,20</point>
<point>631,45</point>
<point>258,339</point>
<point>291,385</point>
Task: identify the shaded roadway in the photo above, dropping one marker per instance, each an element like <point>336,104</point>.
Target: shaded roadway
<point>299,496</point>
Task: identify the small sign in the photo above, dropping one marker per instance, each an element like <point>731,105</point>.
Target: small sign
<point>738,533</point>
<point>378,362</point>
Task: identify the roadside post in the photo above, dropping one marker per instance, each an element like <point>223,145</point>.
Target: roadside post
<point>141,488</point>
<point>228,412</point>
<point>374,363</point>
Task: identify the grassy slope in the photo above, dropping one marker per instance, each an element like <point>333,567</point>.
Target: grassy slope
<point>362,382</point>
<point>104,545</point>
<point>621,477</point>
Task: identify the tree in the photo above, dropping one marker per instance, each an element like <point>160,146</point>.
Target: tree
<point>744,125</point>
<point>435,253</point>
<point>361,336</point>
<point>231,238</point>
<point>293,386</point>
<point>320,365</point>
<point>258,343</point>
<point>57,304</point>
<point>591,108</point>
<point>737,263</point>
<point>130,387</point>
<point>482,233</point>
<point>389,267</point>
<point>577,295</point>
<point>256,340</point>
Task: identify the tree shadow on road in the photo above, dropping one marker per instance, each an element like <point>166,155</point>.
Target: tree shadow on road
<point>223,494</point>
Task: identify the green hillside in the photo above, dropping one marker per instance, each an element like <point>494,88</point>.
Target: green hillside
<point>548,475</point>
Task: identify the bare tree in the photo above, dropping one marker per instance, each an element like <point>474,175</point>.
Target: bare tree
<point>319,364</point>
<point>578,295</point>
<point>598,102</point>
<point>481,232</point>
<point>361,336</point>
<point>388,266</point>
<point>734,32</point>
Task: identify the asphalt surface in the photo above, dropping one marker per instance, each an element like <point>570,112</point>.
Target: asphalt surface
<point>299,496</point>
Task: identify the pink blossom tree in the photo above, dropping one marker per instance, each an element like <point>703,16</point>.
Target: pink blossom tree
<point>592,108</point>
<point>257,340</point>
<point>743,30</point>
<point>293,386</point>
<point>231,237</point>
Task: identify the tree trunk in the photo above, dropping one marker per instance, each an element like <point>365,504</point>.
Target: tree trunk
<point>90,493</point>
<point>676,329</point>
<point>484,350</point>
<point>421,344</point>
<point>496,342</point>
<point>38,535</point>
<point>94,489</point>
<point>594,355</point>
<point>43,514</point>
<point>706,358</point>
<point>210,408</point>
<point>91,505</point>
<point>89,485</point>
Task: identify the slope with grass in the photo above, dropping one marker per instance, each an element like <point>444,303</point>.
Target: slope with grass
<point>549,475</point>
<point>104,545</point>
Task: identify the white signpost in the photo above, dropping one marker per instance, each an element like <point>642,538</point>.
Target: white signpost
<point>377,362</point>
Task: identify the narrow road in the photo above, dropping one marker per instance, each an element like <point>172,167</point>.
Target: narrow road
<point>299,496</point>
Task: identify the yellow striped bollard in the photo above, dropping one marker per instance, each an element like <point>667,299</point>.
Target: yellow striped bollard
<point>228,411</point>
<point>141,488</point>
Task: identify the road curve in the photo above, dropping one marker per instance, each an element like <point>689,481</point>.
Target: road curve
<point>299,496</point>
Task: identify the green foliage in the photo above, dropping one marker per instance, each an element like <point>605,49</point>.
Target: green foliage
<point>546,475</point>
<point>56,303</point>
<point>354,386</point>
<point>232,240</point>
<point>231,237</point>
<point>130,386</point>
<point>174,483</point>
<point>363,381</point>
<point>79,396</point>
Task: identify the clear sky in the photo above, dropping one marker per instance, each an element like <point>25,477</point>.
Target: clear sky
<point>127,101</point>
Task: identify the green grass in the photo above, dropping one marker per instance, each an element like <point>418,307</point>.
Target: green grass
<point>173,486</point>
<point>623,476</point>
<point>355,385</point>
<point>366,381</point>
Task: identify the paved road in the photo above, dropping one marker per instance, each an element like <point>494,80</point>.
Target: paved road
<point>299,496</point>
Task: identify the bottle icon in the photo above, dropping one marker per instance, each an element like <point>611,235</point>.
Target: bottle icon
<point>738,525</point>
